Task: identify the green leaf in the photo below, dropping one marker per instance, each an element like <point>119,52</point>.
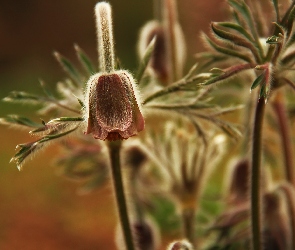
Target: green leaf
<point>191,71</point>
<point>236,40</point>
<point>145,60</point>
<point>230,129</point>
<point>180,85</point>
<point>237,28</point>
<point>209,55</point>
<point>226,51</point>
<point>228,73</point>
<point>56,136</point>
<point>287,20</point>
<point>57,125</point>
<point>47,92</point>
<point>276,8</point>
<point>227,110</point>
<point>208,59</point>
<point>68,119</point>
<point>290,21</point>
<point>18,120</point>
<point>200,131</point>
<point>84,60</point>
<point>243,9</point>
<point>191,106</point>
<point>32,147</point>
<point>236,17</point>
<point>217,71</point>
<point>280,28</point>
<point>262,92</point>
<point>257,81</point>
<point>68,67</point>
<point>19,96</point>
<point>227,127</point>
<point>81,103</point>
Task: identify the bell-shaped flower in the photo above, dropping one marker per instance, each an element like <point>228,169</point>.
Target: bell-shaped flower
<point>112,111</point>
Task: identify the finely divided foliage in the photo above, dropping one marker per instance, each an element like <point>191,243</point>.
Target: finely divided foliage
<point>185,126</point>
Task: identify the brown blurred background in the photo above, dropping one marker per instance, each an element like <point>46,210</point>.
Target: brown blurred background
<point>38,209</point>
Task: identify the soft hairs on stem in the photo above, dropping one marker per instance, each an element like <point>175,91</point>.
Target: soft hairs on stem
<point>104,27</point>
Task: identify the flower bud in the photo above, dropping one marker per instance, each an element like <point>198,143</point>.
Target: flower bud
<point>148,237</point>
<point>239,187</point>
<point>180,245</point>
<point>145,231</point>
<point>158,61</point>
<point>277,230</point>
<point>111,108</point>
<point>135,157</point>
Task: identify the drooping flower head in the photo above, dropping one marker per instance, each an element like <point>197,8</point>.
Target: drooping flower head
<point>112,108</point>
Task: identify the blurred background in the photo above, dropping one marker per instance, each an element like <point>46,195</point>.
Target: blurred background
<point>38,209</point>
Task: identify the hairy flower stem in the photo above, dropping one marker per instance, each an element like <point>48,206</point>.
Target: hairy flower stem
<point>114,149</point>
<point>256,209</point>
<point>188,224</point>
<point>284,126</point>
<point>105,37</point>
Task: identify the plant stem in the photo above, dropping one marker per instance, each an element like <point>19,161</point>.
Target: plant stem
<point>188,224</point>
<point>283,121</point>
<point>256,176</point>
<point>114,149</point>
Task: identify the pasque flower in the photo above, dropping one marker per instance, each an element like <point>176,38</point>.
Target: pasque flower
<point>112,108</point>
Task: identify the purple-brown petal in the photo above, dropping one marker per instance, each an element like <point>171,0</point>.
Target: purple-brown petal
<point>113,112</point>
<point>113,108</point>
<point>137,118</point>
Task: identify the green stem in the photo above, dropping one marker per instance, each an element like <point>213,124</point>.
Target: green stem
<point>256,208</point>
<point>284,126</point>
<point>114,149</point>
<point>248,110</point>
<point>188,224</point>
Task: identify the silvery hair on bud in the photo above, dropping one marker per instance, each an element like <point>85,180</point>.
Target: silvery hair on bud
<point>180,245</point>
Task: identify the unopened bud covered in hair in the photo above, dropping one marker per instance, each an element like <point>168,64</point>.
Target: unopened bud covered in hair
<point>180,245</point>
